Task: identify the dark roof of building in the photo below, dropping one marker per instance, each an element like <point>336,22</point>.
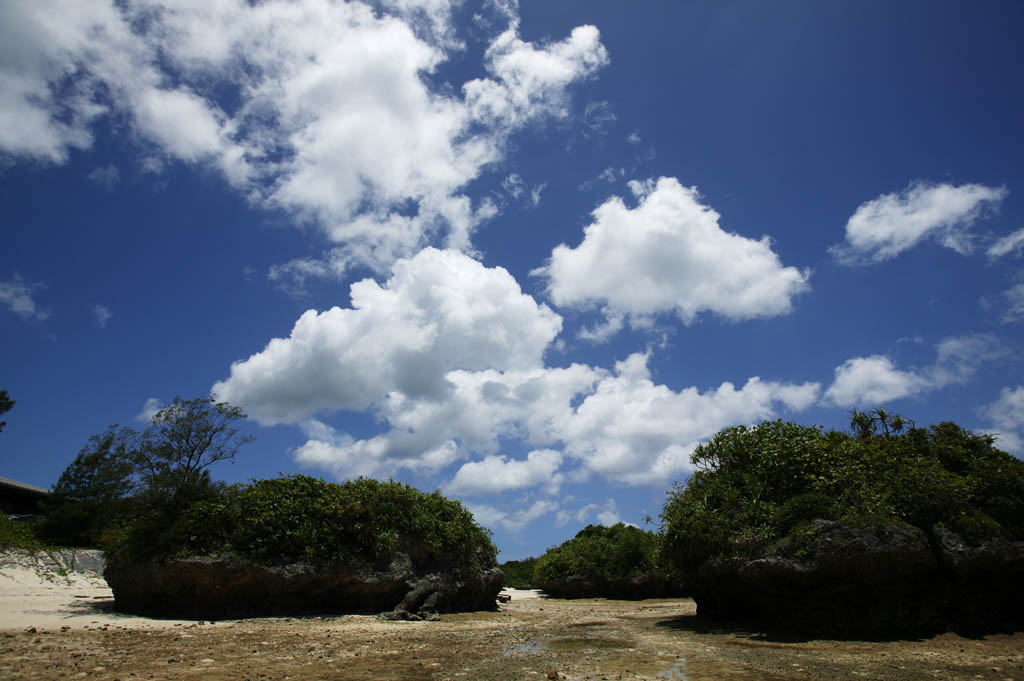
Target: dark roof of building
<point>22,487</point>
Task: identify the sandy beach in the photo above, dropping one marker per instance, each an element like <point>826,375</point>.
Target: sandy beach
<point>56,623</point>
<point>54,591</point>
<point>48,592</point>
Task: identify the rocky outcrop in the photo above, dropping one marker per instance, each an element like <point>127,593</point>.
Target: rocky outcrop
<point>884,580</point>
<point>986,582</point>
<point>624,588</point>
<point>411,584</point>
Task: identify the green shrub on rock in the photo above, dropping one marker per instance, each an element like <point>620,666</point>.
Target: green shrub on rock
<point>519,573</point>
<point>621,561</point>
<point>301,518</point>
<point>776,516</point>
<point>298,544</point>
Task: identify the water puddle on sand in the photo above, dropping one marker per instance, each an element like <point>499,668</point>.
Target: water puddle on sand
<point>531,647</point>
<point>676,672</point>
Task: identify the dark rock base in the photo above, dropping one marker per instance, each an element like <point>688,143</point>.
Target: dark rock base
<point>628,589</point>
<point>226,587</point>
<point>882,582</point>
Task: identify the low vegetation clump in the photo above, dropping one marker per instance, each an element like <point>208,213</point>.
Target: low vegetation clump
<point>180,544</point>
<point>300,545</point>
<point>789,523</point>
<point>17,535</point>
<point>519,573</point>
<point>303,519</point>
<point>621,561</point>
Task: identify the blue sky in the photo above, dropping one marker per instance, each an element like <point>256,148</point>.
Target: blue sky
<point>528,254</point>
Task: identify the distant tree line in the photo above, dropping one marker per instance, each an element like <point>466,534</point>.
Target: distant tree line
<point>519,573</point>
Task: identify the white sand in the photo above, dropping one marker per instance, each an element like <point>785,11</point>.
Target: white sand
<point>523,594</point>
<point>37,590</point>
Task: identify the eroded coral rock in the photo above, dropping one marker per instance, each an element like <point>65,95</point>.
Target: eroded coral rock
<point>213,587</point>
<point>879,580</point>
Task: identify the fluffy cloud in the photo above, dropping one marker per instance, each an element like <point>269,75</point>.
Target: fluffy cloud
<point>669,254</point>
<point>482,407</point>
<point>528,80</point>
<point>495,474</point>
<point>883,228</point>
<point>330,113</point>
<point>625,427</point>
<point>1011,243</point>
<point>149,409</point>
<point>633,431</point>
<point>448,355</point>
<point>438,312</point>
<point>606,514</point>
<point>1007,413</point>
<point>16,295</point>
<point>875,379</point>
<point>614,321</point>
<point>514,521</point>
<point>345,457</point>
<point>872,380</point>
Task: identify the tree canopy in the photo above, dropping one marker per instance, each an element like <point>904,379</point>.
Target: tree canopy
<point>755,486</point>
<point>6,404</point>
<point>124,474</point>
<point>301,518</point>
<point>618,561</point>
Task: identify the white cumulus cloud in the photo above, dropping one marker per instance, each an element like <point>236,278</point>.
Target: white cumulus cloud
<point>482,406</point>
<point>633,431</point>
<point>1007,414</point>
<point>516,520</point>
<point>345,457</point>
<point>669,254</point>
<point>323,108</point>
<point>495,474</point>
<point>884,227</point>
<point>872,380</point>
<point>606,514</point>
<point>149,409</point>
<point>438,312</point>
<point>864,381</point>
<point>625,427</point>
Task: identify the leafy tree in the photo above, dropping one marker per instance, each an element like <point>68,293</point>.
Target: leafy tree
<point>617,561</point>
<point>182,441</point>
<point>757,486</point>
<point>6,403</point>
<point>519,573</point>
<point>300,518</point>
<point>124,480</point>
<point>93,491</point>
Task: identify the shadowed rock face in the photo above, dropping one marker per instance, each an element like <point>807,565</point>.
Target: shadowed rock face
<point>891,579</point>
<point>625,588</point>
<point>413,584</point>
